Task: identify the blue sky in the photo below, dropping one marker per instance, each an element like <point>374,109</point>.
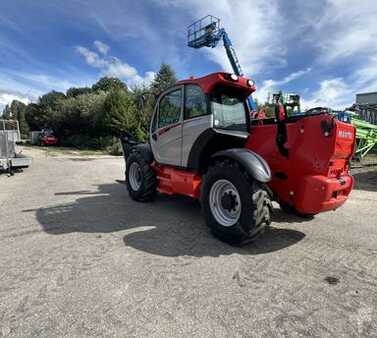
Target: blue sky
<point>324,50</point>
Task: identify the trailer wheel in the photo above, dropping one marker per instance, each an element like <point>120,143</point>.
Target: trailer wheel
<point>140,177</point>
<point>236,207</point>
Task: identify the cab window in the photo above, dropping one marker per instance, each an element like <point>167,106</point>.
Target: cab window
<point>229,110</point>
<point>195,102</point>
<point>170,108</point>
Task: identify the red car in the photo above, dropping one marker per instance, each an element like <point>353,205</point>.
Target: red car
<point>48,138</point>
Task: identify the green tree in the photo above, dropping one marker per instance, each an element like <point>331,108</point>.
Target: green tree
<point>164,78</point>
<point>144,103</point>
<point>91,117</point>
<point>74,92</point>
<point>16,111</point>
<point>108,84</point>
<point>35,116</point>
<point>51,99</point>
<point>24,126</point>
<point>7,113</point>
<point>49,109</point>
<point>81,114</point>
<point>121,115</point>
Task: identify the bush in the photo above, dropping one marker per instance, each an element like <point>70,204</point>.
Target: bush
<point>92,117</point>
<point>115,148</point>
<point>80,141</point>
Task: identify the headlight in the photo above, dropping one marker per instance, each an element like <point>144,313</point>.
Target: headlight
<point>234,77</point>
<point>250,83</point>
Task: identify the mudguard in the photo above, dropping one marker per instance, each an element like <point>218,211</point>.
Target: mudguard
<point>128,142</point>
<point>254,164</point>
<point>145,150</point>
<point>129,145</point>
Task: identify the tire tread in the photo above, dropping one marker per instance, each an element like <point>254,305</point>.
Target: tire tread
<point>148,188</point>
<point>258,202</point>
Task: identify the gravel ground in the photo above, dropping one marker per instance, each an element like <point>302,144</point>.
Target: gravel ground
<point>79,258</point>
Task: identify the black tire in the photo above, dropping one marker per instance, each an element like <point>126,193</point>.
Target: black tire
<point>254,199</point>
<point>148,182</point>
<point>289,209</point>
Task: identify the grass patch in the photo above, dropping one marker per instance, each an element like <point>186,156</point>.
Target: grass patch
<point>58,151</point>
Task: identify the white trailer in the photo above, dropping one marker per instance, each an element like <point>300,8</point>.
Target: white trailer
<point>9,135</point>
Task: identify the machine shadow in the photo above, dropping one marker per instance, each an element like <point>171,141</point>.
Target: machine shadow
<point>366,180</point>
<point>170,226</point>
<point>81,159</point>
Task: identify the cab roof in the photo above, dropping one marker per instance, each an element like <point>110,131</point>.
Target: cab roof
<point>209,82</point>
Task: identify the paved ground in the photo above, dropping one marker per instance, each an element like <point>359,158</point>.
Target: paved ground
<point>78,257</point>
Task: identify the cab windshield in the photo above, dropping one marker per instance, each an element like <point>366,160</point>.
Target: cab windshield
<point>228,109</point>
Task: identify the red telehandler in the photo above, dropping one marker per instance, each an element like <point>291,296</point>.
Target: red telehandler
<point>203,144</point>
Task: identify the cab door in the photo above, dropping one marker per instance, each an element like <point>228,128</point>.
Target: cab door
<point>197,119</point>
<point>166,130</point>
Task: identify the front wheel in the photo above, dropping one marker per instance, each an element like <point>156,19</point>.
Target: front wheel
<point>236,207</point>
<point>140,177</point>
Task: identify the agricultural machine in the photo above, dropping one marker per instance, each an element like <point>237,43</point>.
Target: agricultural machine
<point>290,100</point>
<point>366,133</point>
<point>203,144</point>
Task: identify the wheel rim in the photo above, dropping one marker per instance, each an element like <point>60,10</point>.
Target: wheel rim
<point>225,203</point>
<point>134,176</point>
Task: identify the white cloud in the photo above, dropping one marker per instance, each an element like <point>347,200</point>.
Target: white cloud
<point>347,33</point>
<point>101,47</point>
<point>293,76</point>
<point>365,77</point>
<point>91,58</point>
<point>11,89</point>
<point>27,87</point>
<point>269,86</point>
<point>6,97</point>
<point>334,93</point>
<point>347,28</point>
<point>114,67</point>
<point>339,93</point>
<point>256,30</point>
<point>333,30</point>
<point>117,68</point>
<point>48,81</point>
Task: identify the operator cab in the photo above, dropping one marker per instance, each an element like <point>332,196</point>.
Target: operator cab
<point>188,115</point>
<point>229,109</point>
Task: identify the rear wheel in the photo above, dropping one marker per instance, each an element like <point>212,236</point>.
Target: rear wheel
<point>236,207</point>
<point>140,178</point>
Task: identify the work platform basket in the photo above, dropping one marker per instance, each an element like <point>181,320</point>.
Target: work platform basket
<point>204,32</point>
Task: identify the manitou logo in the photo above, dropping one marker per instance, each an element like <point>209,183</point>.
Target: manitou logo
<point>345,134</point>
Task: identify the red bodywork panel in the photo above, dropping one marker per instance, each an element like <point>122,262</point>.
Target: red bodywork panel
<point>172,181</point>
<point>315,176</point>
<point>209,82</point>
